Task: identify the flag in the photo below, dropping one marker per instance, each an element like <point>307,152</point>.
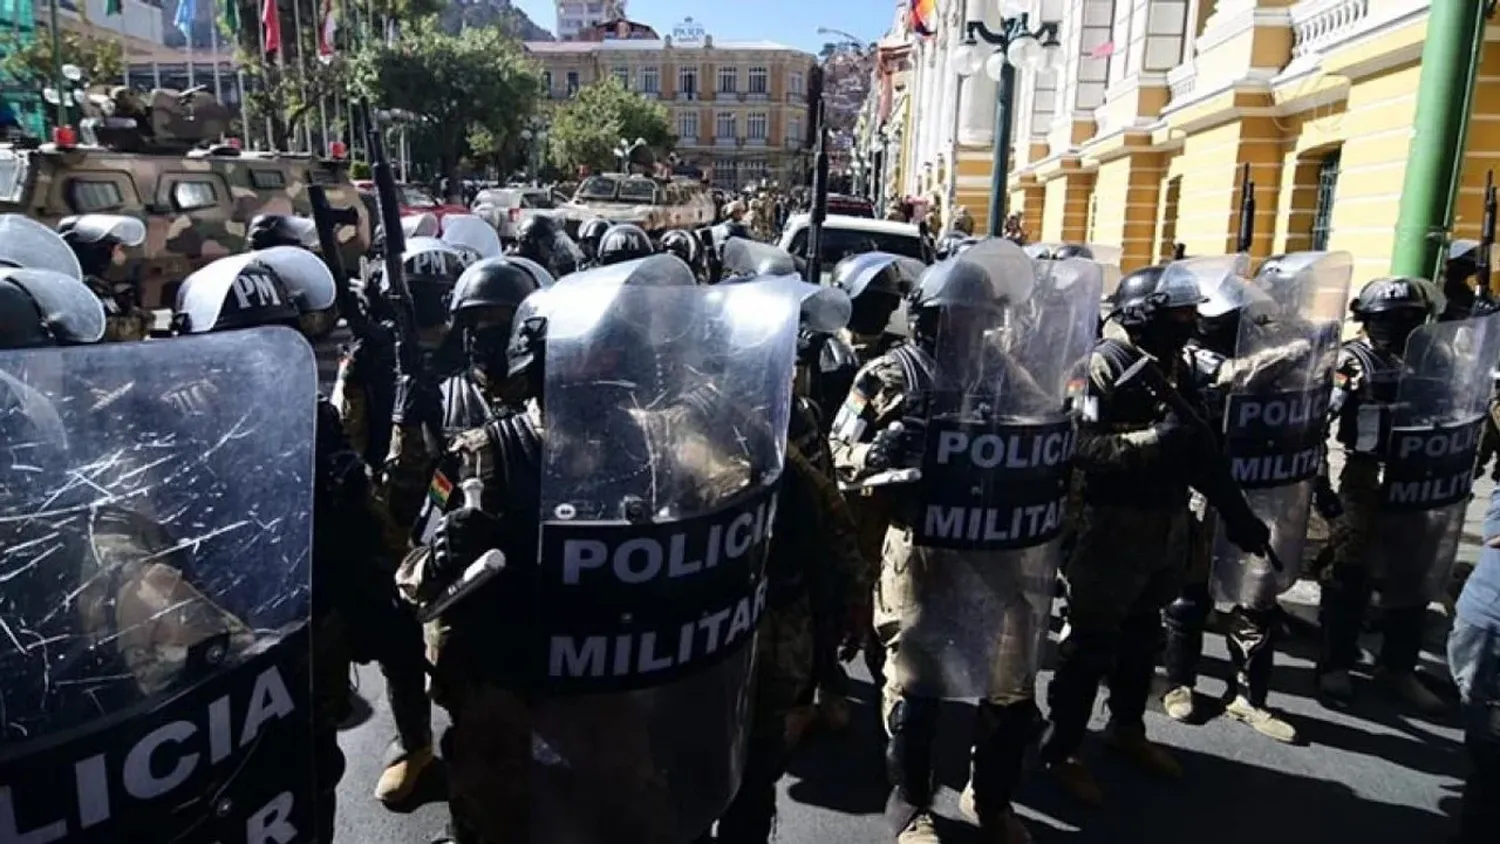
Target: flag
<point>1103,51</point>
<point>229,18</point>
<point>923,16</point>
<point>270,19</point>
<point>326,32</point>
<point>114,8</point>
<point>187,11</point>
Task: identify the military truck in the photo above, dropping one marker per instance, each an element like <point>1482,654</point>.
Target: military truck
<point>161,157</point>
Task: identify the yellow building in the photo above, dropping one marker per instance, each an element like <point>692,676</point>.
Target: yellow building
<point>1137,137</point>
<point>738,109</point>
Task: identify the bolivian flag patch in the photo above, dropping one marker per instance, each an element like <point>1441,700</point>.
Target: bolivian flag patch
<point>439,490</point>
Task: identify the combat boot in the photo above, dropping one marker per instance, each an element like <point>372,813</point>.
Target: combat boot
<point>1178,703</point>
<point>920,831</point>
<point>1132,745</point>
<point>798,720</point>
<point>1075,779</point>
<point>833,713</point>
<point>1336,687</point>
<point>1003,828</point>
<point>1409,689</point>
<point>1261,720</point>
<point>401,775</point>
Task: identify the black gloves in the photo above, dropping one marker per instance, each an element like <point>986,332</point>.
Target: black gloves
<point>894,447</point>
<point>417,402</point>
<point>461,537</point>
<point>1249,534</point>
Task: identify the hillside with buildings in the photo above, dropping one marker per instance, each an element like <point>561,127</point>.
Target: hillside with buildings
<point>477,13</point>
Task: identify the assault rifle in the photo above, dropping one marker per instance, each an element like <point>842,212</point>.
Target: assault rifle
<point>326,220</point>
<point>1247,211</point>
<point>1482,269</point>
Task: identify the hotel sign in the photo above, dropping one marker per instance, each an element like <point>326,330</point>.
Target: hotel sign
<point>688,32</point>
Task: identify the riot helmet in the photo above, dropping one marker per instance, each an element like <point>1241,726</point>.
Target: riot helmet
<point>590,233</point>
<point>1225,297</point>
<point>876,283</point>
<point>45,308</point>
<point>97,238</point>
<point>425,224</point>
<point>484,305</point>
<point>310,283</point>
<point>1072,250</point>
<point>534,235</point>
<point>624,242</point>
<point>1158,307</point>
<point>268,230</point>
<point>730,228</point>
<point>955,289</point>
<point>240,291</point>
<point>431,267</point>
<point>1390,309</point>
<point>684,245</point>
<point>947,245</point>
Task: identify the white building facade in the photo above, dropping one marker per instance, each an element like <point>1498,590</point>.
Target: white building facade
<point>574,16</point>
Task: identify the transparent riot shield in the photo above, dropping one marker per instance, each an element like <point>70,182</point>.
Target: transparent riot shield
<point>1429,459</point>
<point>666,411</point>
<point>468,232</point>
<point>744,257</point>
<point>28,244</point>
<point>155,509</point>
<point>973,600</point>
<point>1275,423</point>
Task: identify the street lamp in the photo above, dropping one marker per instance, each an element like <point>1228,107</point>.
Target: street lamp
<point>1018,45</point>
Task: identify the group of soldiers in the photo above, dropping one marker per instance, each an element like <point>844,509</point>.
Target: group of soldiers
<point>623,505</point>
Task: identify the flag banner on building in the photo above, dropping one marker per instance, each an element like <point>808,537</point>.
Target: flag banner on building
<point>187,12</point>
<point>327,28</point>
<point>229,18</point>
<point>270,20</point>
<point>1103,51</point>
<point>924,16</point>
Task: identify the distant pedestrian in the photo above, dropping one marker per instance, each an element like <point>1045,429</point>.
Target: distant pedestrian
<point>1474,659</point>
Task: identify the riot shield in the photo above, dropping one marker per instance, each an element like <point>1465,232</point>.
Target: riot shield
<point>156,592</point>
<point>823,309</point>
<point>26,243</point>
<point>1429,458</point>
<point>744,257</point>
<point>974,600</point>
<point>1277,388</point>
<point>468,232</point>
<point>424,224</point>
<point>653,549</point>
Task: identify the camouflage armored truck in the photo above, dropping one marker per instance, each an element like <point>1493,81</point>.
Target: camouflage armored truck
<point>158,156</point>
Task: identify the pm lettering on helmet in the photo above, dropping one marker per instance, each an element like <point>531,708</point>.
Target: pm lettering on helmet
<point>254,289</point>
<point>682,596</point>
<point>994,488</point>
<point>1430,467</point>
<point>1275,439</point>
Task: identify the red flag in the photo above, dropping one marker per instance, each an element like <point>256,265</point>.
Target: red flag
<point>1103,51</point>
<point>270,21</point>
<point>326,32</point>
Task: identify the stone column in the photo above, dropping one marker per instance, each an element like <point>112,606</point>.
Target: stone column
<point>977,94</point>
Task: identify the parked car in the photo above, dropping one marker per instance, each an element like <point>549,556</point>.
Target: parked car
<point>844,236</point>
<point>850,206</point>
<point>505,208</point>
<point>416,200</point>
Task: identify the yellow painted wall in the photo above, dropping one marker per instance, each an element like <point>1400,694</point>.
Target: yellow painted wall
<point>1055,200</point>
<point>1483,153</point>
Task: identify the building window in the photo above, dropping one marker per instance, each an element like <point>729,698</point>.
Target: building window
<point>622,75</point>
<point>758,77</point>
<point>724,175</point>
<point>1095,44</point>
<point>794,130</point>
<point>794,84</point>
<point>650,79</point>
<point>572,82</point>
<point>1328,182</point>
<point>687,82</point>
<point>1164,35</point>
<point>755,125</point>
<point>724,125</point>
<point>729,80</point>
<point>687,124</point>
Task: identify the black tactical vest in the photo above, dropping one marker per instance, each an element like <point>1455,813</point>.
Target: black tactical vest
<point>1364,416</point>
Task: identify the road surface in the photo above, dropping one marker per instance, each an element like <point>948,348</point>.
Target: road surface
<point>1372,774</point>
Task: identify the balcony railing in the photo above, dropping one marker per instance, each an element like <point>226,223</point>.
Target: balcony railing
<point>755,142</point>
<point>686,96</point>
<point>1319,23</point>
<point>1182,79</point>
<point>756,97</point>
<point>726,142</point>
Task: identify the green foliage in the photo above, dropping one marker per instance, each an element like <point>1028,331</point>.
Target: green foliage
<point>30,63</point>
<point>359,170</point>
<point>476,86</point>
<point>586,130</point>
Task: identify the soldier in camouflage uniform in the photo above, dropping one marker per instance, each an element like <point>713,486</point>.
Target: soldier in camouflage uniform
<point>1136,459</point>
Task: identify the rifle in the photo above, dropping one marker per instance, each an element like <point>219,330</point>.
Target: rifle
<point>1247,211</point>
<point>1482,268</point>
<point>819,202</point>
<point>326,219</point>
<point>389,204</point>
<point>1232,507</point>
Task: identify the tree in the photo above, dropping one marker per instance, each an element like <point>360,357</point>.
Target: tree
<point>30,62</point>
<point>587,129</point>
<point>477,79</point>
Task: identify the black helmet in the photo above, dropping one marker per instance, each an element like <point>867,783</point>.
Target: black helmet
<point>45,308</point>
<point>947,245</point>
<point>1072,250</point>
<point>94,237</point>
<point>1151,290</point>
<point>537,230</point>
<point>624,242</point>
<point>684,245</point>
<point>954,283</point>
<point>877,272</point>
<point>731,228</point>
<point>592,231</point>
<point>492,283</point>
<point>1134,288</point>
<point>267,230</point>
<point>239,291</point>
<point>1391,295</point>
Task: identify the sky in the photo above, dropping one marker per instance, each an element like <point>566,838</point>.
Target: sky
<point>791,22</point>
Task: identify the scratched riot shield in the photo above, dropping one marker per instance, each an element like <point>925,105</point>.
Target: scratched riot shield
<point>472,235</point>
<point>1276,390</point>
<point>154,591</point>
<point>973,600</point>
<point>667,408</point>
<point>1429,459</point>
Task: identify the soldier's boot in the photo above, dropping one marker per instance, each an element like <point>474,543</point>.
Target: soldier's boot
<point>1184,620</point>
<point>1130,743</point>
<point>1399,652</point>
<point>1250,649</point>
<point>1336,686</point>
<point>752,814</point>
<point>1073,777</point>
<point>403,770</point>
<point>997,828</point>
<point>411,709</point>
<point>1083,657</point>
<point>1003,733</point>
<point>912,726</point>
<point>833,688</point>
<point>920,830</point>
<point>833,713</point>
<point>1341,607</point>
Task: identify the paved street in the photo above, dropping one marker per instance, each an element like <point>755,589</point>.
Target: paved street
<point>1368,775</point>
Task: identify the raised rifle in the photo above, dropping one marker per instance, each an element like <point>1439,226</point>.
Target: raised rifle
<point>1247,211</point>
<point>327,221</point>
<point>1482,268</point>
<point>819,201</point>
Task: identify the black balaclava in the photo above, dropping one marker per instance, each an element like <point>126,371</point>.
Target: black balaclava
<point>872,312</point>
